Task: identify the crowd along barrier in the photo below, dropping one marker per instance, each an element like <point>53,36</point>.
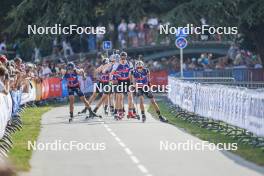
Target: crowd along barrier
<point>237,106</point>
<point>38,90</point>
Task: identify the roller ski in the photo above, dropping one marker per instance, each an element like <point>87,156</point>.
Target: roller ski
<point>71,117</point>
<point>163,119</point>
<point>93,115</point>
<point>83,111</point>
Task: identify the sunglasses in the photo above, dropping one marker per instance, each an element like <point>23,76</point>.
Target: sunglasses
<point>140,67</point>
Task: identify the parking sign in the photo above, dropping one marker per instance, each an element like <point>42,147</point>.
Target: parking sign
<point>107,45</point>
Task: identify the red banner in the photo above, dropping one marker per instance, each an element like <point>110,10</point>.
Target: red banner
<point>45,89</point>
<point>54,87</point>
<point>159,77</point>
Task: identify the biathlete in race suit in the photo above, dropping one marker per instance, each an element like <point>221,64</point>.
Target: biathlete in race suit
<point>141,80</point>
<point>104,86</point>
<point>73,85</point>
<point>98,83</point>
<point>123,72</point>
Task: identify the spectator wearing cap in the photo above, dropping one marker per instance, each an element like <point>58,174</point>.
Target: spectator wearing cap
<point>3,59</point>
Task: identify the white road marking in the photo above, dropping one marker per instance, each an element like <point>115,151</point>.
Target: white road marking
<point>142,168</point>
<point>122,144</point>
<point>117,139</point>
<point>108,129</point>
<point>113,134</point>
<point>128,151</point>
<point>134,159</point>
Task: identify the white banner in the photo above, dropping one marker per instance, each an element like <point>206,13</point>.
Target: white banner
<point>240,107</point>
<point>5,112</point>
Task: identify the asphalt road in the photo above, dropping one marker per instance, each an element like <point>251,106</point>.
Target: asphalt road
<point>126,148</point>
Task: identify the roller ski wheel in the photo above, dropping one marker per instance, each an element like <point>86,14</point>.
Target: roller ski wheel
<point>143,118</point>
<point>163,119</point>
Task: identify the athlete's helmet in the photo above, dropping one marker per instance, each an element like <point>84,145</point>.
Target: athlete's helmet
<point>123,54</point>
<point>139,64</point>
<point>117,57</point>
<point>105,60</point>
<point>70,66</point>
<point>112,58</point>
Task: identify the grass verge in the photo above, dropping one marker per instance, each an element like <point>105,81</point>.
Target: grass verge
<point>19,155</point>
<point>246,151</point>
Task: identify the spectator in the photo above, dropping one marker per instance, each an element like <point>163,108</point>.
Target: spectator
<point>122,30</point>
<point>46,71</point>
<point>4,80</point>
<point>132,35</point>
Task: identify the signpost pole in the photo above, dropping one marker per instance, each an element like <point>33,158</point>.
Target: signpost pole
<point>181,57</point>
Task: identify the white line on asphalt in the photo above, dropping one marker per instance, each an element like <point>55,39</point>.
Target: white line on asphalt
<point>142,168</point>
<point>122,144</point>
<point>108,129</point>
<point>128,151</point>
<point>134,159</point>
<point>117,139</point>
<point>113,134</point>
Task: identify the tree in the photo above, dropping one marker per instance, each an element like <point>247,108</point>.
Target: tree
<point>247,15</point>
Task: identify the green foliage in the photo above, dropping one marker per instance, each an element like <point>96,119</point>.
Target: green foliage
<point>246,14</point>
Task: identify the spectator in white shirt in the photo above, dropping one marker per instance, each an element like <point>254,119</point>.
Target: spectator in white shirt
<point>46,71</point>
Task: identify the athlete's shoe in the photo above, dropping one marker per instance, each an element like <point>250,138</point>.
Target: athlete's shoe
<point>131,115</point>
<point>71,116</point>
<point>112,110</point>
<point>120,115</point>
<point>162,119</point>
<point>106,112</point>
<point>143,118</point>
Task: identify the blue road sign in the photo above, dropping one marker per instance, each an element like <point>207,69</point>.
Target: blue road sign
<point>181,42</point>
<point>107,45</point>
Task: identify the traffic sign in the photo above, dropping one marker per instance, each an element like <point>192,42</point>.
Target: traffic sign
<point>181,42</point>
<point>107,45</point>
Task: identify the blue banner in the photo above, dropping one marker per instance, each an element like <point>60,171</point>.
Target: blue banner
<point>64,88</point>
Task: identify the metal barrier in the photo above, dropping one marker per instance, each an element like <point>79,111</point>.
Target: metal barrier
<point>235,111</point>
<point>245,74</point>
